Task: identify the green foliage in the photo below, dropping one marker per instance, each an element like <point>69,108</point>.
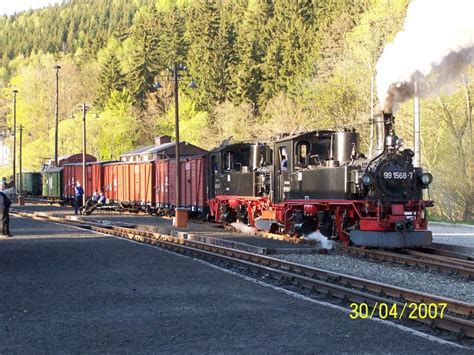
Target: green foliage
<point>252,46</point>
<point>112,132</point>
<point>145,57</point>
<point>193,123</point>
<point>211,52</point>
<point>110,79</point>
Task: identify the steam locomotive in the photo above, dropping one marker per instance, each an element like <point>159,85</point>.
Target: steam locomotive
<point>320,182</point>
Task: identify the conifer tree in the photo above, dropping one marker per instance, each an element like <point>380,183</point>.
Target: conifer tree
<point>252,43</point>
<point>211,53</point>
<point>291,56</point>
<point>146,60</point>
<point>110,79</point>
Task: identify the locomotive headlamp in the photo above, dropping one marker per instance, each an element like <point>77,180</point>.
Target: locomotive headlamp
<point>400,143</point>
<point>367,180</point>
<point>426,179</point>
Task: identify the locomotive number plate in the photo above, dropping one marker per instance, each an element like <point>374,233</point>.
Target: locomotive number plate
<point>398,175</point>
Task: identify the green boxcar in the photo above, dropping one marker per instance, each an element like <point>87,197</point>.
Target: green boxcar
<point>30,183</point>
<point>52,183</point>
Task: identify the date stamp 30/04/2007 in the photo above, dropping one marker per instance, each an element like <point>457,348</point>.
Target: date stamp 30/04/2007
<point>394,311</point>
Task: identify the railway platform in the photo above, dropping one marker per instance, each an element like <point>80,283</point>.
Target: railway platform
<point>66,289</point>
<point>212,233</point>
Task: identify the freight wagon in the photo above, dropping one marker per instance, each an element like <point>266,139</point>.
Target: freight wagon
<point>73,173</point>
<point>30,183</point>
<point>193,184</point>
<point>52,177</point>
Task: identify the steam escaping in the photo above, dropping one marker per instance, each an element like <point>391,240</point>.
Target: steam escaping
<point>325,242</point>
<point>437,38</point>
<point>243,228</point>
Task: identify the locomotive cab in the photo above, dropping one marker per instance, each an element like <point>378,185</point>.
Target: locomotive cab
<point>240,170</point>
<point>318,165</point>
<point>239,176</point>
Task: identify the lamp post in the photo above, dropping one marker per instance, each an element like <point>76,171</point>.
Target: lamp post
<point>14,137</point>
<point>85,108</point>
<point>21,155</point>
<point>56,116</point>
<point>177,67</point>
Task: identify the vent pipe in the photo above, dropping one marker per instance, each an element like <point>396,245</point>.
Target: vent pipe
<point>380,130</point>
<point>371,142</point>
<point>416,128</point>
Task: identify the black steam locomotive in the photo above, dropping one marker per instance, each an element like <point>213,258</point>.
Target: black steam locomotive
<point>319,182</point>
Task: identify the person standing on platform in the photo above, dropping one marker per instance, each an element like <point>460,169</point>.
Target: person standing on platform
<point>78,193</point>
<point>5,204</point>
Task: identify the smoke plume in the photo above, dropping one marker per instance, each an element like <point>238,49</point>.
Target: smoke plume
<point>438,39</point>
<point>325,242</point>
<point>243,228</point>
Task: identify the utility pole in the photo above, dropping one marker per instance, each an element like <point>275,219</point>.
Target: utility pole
<point>14,137</point>
<point>84,111</point>
<point>176,129</point>
<point>56,116</point>
<point>181,218</point>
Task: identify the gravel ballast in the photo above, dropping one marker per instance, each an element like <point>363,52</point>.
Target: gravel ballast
<point>395,274</point>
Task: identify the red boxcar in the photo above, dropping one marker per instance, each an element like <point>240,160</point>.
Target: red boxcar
<point>193,183</point>
<point>135,183</point>
<point>110,181</point>
<point>73,173</point>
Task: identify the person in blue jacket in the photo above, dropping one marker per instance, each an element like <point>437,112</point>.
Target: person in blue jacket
<point>5,204</point>
<point>78,193</point>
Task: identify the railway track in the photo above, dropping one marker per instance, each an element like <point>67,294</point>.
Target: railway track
<point>436,259</point>
<point>428,258</point>
<point>458,318</point>
<point>445,264</point>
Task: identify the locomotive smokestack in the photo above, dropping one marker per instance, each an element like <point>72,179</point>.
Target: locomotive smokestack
<point>416,127</point>
<point>383,124</point>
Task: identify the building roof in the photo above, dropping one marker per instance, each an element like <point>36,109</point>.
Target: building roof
<point>154,149</point>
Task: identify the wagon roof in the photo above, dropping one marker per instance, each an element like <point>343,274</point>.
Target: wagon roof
<point>53,170</point>
<point>92,163</point>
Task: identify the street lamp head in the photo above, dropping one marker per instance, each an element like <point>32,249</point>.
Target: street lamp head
<point>156,86</point>
<point>193,84</point>
<point>57,67</point>
<point>15,91</point>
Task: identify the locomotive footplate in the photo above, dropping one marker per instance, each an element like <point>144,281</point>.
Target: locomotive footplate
<point>391,239</point>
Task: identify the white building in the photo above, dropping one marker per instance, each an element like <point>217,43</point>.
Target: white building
<point>5,157</point>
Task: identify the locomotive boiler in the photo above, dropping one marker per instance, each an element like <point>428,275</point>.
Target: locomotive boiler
<point>320,182</point>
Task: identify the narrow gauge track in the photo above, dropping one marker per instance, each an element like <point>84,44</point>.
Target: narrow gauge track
<point>428,258</point>
<point>447,253</point>
<point>452,259</point>
<point>439,263</point>
<point>457,319</point>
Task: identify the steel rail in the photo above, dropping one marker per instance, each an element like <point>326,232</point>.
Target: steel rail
<point>323,281</point>
<point>441,266</point>
<point>446,253</point>
<point>440,258</point>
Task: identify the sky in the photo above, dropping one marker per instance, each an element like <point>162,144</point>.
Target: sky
<point>9,7</point>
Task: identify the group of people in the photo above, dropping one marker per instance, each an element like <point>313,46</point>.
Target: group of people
<point>97,199</point>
